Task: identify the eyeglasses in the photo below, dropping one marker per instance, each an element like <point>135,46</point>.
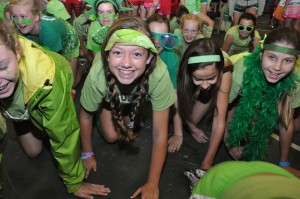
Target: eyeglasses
<point>167,40</point>
<point>248,28</point>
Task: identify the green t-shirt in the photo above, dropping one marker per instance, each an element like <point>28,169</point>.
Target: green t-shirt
<point>222,176</point>
<point>91,45</point>
<point>95,90</point>
<point>171,59</point>
<point>239,44</point>
<point>57,35</point>
<point>237,83</point>
<point>194,6</point>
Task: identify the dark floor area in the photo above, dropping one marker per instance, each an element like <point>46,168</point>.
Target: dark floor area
<point>121,169</point>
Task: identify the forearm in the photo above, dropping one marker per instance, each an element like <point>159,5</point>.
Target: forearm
<point>86,130</point>
<point>286,136</point>
<point>159,151</point>
<point>159,147</point>
<point>177,121</point>
<point>217,133</point>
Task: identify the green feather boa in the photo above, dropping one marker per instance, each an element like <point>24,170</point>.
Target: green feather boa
<point>256,115</point>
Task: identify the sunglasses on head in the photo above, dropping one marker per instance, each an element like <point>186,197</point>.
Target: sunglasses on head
<point>248,28</point>
<point>167,40</point>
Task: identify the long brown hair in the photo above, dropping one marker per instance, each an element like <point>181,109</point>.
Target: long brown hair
<point>185,88</point>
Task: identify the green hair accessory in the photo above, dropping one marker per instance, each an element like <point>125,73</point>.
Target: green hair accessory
<point>100,35</point>
<point>281,49</point>
<point>95,3</point>
<point>204,58</point>
<point>23,21</point>
<point>129,37</point>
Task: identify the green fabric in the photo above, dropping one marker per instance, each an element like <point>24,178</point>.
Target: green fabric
<point>174,24</point>
<point>100,35</point>
<point>3,5</point>
<point>95,89</point>
<point>130,37</point>
<point>264,187</point>
<point>238,44</point>
<point>281,49</point>
<point>194,5</point>
<point>14,106</point>
<point>171,59</point>
<point>221,177</point>
<point>51,109</point>
<point>81,25</point>
<point>256,115</point>
<point>57,35</point>
<point>91,44</point>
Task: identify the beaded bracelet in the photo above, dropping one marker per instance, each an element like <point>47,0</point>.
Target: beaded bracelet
<point>284,164</point>
<point>88,154</point>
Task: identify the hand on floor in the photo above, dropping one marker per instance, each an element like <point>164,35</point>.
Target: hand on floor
<point>199,136</point>
<point>236,152</point>
<point>175,143</point>
<point>88,190</point>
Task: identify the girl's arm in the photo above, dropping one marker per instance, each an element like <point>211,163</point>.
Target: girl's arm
<point>255,42</point>
<point>286,136</point>
<point>86,121</point>
<point>227,43</point>
<point>219,121</point>
<point>159,150</point>
<point>204,8</point>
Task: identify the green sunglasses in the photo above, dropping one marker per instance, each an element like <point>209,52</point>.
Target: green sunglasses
<point>167,40</point>
<point>248,28</point>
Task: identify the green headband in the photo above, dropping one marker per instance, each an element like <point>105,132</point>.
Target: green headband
<point>204,58</point>
<point>129,37</point>
<point>281,49</point>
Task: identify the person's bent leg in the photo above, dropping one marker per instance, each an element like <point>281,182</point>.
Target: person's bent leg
<point>29,137</point>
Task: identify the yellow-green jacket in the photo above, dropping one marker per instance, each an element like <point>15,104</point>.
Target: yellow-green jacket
<point>47,80</point>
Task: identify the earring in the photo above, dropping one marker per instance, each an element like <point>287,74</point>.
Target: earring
<point>148,61</point>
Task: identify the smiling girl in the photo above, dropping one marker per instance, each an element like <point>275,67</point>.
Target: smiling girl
<point>242,37</point>
<point>268,83</point>
<point>126,71</point>
<point>54,34</point>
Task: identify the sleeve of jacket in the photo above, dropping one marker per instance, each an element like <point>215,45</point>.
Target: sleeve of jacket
<point>53,110</point>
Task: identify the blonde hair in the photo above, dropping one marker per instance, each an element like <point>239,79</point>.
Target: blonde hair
<point>8,36</point>
<point>191,17</point>
<point>35,5</point>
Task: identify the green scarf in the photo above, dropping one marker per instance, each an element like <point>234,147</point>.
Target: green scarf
<point>256,115</point>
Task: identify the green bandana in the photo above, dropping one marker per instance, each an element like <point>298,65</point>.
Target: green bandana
<point>281,49</point>
<point>129,37</point>
<point>256,115</point>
